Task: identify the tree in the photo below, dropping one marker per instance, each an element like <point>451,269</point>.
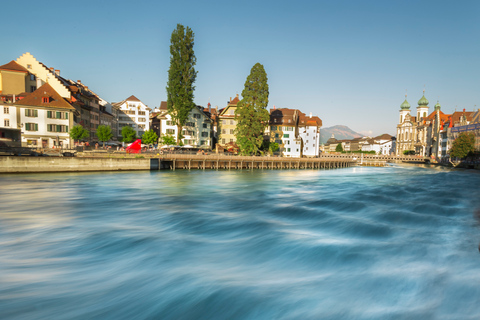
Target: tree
<point>104,133</point>
<point>463,145</point>
<point>128,134</point>
<point>251,114</point>
<point>181,76</point>
<point>339,148</point>
<point>273,147</point>
<point>168,140</point>
<point>78,133</point>
<point>150,137</point>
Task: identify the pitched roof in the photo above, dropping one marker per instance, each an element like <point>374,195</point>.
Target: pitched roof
<point>384,136</point>
<point>132,98</point>
<point>13,66</point>
<point>456,116</point>
<point>35,99</point>
<point>163,105</point>
<point>235,100</point>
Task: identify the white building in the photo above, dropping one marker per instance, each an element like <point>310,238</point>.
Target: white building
<point>134,113</point>
<point>43,116</point>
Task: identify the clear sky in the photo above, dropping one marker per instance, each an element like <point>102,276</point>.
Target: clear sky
<point>349,62</point>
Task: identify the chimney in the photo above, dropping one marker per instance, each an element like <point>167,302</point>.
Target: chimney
<point>310,114</point>
<point>79,81</point>
<point>230,99</point>
<point>51,69</point>
<point>57,72</point>
<point>209,108</point>
<point>273,107</point>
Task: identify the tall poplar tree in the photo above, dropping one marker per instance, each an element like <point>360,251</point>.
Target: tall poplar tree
<point>181,76</point>
<point>251,114</point>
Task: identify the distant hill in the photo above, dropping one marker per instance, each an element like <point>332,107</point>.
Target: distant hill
<point>340,132</point>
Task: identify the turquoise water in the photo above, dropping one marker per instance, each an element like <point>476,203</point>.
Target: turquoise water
<point>398,242</point>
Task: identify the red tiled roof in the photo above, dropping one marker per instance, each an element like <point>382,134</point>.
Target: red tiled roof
<point>35,99</point>
<point>13,66</point>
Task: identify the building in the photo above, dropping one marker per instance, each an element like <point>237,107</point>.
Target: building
<point>197,131</point>
<point>227,123</point>
<point>134,113</point>
<point>296,134</point>
<point>43,116</point>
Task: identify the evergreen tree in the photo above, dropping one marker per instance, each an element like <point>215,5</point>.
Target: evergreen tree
<point>339,148</point>
<point>78,132</point>
<point>104,133</point>
<point>128,134</point>
<point>150,137</point>
<point>463,145</point>
<point>251,114</point>
<point>181,76</point>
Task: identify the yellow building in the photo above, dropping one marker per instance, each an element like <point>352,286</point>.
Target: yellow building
<point>14,79</point>
<point>227,123</point>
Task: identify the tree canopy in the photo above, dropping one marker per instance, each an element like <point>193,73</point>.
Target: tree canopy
<point>78,132</point>
<point>104,133</point>
<point>150,137</point>
<point>251,114</point>
<point>128,134</point>
<point>339,148</point>
<point>181,75</point>
<point>463,145</point>
<point>168,140</point>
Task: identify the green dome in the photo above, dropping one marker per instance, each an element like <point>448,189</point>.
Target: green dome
<point>405,105</point>
<point>438,106</point>
<point>423,101</point>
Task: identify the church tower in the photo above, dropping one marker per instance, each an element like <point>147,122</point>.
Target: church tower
<point>422,109</point>
<point>404,110</point>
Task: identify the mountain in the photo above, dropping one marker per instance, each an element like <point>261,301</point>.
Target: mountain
<point>340,132</point>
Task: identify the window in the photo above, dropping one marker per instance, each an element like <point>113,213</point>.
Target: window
<point>288,149</point>
<point>231,131</point>
<point>276,135</point>
<point>286,136</point>
<point>31,113</point>
<point>307,134</point>
<point>224,121</point>
<point>33,88</point>
<point>29,66</point>
<point>223,141</point>
<point>196,116</point>
<point>130,112</point>
<point>141,113</point>
<point>6,110</point>
<point>273,128</point>
<point>57,115</point>
<point>32,77</point>
<point>232,122</point>
<point>31,126</point>
<point>190,124</point>
<point>231,140</point>
<point>45,100</point>
<point>170,131</point>
<point>7,123</point>
<point>204,134</point>
<point>232,112</point>
<point>205,125</point>
<point>169,123</point>
<point>224,131</point>
<point>142,119</point>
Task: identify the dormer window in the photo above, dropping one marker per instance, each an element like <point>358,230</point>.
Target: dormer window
<point>45,100</point>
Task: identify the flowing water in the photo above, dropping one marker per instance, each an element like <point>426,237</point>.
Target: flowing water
<point>398,242</point>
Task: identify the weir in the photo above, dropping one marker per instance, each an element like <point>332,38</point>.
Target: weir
<point>216,162</point>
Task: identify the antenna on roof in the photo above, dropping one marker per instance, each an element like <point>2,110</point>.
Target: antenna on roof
<point>406,94</point>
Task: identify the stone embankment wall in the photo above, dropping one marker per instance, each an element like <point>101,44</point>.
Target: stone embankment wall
<point>12,164</point>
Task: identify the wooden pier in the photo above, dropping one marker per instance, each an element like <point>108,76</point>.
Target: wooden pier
<point>216,162</point>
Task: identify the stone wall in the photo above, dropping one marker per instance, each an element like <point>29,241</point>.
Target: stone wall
<point>12,164</point>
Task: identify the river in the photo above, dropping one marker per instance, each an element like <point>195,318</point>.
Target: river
<point>399,242</point>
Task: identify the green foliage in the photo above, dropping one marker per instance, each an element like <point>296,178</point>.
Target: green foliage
<point>463,146</point>
<point>181,75</point>
<point>408,152</point>
<point>78,132</point>
<point>139,157</point>
<point>150,137</point>
<point>339,148</point>
<point>168,140</point>
<point>128,134</point>
<point>251,114</point>
<point>104,133</point>
<point>273,147</point>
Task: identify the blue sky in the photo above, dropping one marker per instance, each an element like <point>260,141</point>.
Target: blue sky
<point>349,62</point>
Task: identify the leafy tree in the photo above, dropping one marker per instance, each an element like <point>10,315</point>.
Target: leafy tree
<point>339,148</point>
<point>408,152</point>
<point>168,140</point>
<point>104,133</point>
<point>181,76</point>
<point>463,145</point>
<point>128,134</point>
<point>251,114</point>
<point>150,137</point>
<point>273,147</point>
<point>78,133</point>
